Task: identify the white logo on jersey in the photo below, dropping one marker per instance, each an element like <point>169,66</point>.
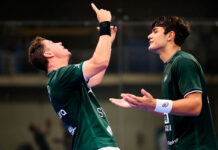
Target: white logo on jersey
<point>90,90</point>
<point>62,113</point>
<point>101,112</point>
<point>173,141</point>
<point>166,118</point>
<point>109,130</point>
<point>166,122</point>
<point>165,78</point>
<point>168,128</point>
<point>77,65</point>
<point>71,130</point>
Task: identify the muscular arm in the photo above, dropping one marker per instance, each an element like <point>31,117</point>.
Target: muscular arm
<point>100,59</point>
<point>95,80</point>
<point>191,105</point>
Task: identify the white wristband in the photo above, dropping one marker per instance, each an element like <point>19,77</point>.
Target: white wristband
<point>163,106</point>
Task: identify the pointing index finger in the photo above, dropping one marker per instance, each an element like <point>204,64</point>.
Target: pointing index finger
<point>94,7</point>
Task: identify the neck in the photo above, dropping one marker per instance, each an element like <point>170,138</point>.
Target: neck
<point>168,52</point>
<point>54,64</point>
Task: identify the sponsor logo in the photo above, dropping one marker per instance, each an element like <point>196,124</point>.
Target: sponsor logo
<point>166,104</point>
<point>166,118</point>
<point>168,128</point>
<point>76,65</point>
<point>101,112</point>
<point>172,142</point>
<point>90,90</point>
<point>71,130</point>
<point>62,113</point>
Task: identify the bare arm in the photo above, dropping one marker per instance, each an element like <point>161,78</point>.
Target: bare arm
<point>100,59</point>
<point>95,80</point>
<point>189,106</point>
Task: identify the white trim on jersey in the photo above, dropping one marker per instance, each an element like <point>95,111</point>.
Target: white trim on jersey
<point>195,91</point>
<point>83,73</point>
<point>109,148</point>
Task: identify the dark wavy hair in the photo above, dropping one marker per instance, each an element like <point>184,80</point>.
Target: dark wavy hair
<point>176,24</point>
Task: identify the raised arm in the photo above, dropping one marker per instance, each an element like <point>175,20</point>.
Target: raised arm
<point>100,59</point>
<point>95,80</point>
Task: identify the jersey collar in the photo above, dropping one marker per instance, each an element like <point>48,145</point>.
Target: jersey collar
<point>50,72</point>
<point>173,56</point>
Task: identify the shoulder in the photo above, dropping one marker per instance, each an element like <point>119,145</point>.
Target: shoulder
<point>184,58</point>
<point>185,61</point>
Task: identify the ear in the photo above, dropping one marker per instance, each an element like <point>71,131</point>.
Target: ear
<point>171,35</point>
<point>48,54</point>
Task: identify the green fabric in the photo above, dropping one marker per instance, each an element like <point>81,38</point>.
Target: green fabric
<point>183,75</point>
<point>78,108</point>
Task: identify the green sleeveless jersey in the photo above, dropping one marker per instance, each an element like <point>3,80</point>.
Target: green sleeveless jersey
<point>76,105</point>
<point>183,75</point>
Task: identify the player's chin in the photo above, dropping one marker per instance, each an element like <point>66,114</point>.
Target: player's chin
<point>150,48</point>
<point>68,57</point>
<point>69,53</point>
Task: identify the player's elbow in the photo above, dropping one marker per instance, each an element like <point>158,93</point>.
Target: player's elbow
<point>93,84</point>
<point>96,83</point>
<point>101,63</point>
<point>196,111</point>
<point>194,104</point>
